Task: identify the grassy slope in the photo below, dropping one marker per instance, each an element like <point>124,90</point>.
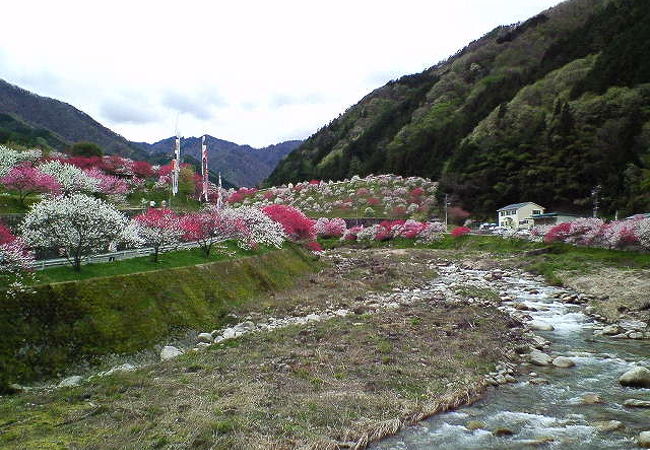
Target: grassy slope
<point>64,323</point>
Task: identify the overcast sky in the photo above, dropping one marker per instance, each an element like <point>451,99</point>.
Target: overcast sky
<point>252,72</point>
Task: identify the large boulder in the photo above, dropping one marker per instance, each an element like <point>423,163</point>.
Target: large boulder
<point>540,326</point>
<point>169,352</point>
<point>205,337</point>
<point>637,377</point>
<point>636,403</point>
<point>74,380</point>
<point>540,358</point>
<point>609,425</point>
<point>563,362</point>
<point>644,439</point>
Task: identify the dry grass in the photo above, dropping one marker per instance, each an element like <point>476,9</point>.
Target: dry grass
<point>337,384</point>
<point>618,291</point>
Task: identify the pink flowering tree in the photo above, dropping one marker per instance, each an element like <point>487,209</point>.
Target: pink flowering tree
<point>209,227</point>
<point>297,226</point>
<point>26,180</point>
<point>108,184</point>
<point>330,228</point>
<point>16,261</point>
<point>159,227</point>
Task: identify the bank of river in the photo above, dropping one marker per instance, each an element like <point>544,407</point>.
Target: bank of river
<point>568,408</point>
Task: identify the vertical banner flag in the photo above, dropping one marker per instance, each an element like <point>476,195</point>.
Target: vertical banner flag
<point>204,168</point>
<point>219,201</point>
<point>176,165</point>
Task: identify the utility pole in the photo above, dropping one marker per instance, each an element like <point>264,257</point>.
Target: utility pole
<point>446,211</point>
<point>594,194</point>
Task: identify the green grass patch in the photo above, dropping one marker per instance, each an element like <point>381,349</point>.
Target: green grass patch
<point>180,258</point>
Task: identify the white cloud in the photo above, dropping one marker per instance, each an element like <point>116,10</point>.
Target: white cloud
<point>247,71</point>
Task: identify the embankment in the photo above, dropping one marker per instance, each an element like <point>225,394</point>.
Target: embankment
<point>60,324</point>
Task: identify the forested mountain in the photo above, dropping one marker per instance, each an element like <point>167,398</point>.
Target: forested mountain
<point>31,120</point>
<point>65,122</point>
<point>540,111</point>
<point>242,165</point>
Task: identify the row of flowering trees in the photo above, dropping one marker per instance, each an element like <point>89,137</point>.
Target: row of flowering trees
<point>593,232</point>
<point>79,225</point>
<point>113,177</point>
<point>372,196</point>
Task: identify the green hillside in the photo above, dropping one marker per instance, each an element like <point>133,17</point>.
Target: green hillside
<point>538,111</point>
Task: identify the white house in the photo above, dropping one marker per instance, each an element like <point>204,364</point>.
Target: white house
<point>518,215</point>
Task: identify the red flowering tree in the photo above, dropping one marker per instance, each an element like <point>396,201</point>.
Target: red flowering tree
<point>460,231</point>
<point>159,227</point>
<point>209,227</point>
<point>27,180</point>
<point>297,226</point>
<point>142,169</point>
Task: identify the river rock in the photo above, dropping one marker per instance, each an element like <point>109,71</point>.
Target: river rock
<point>503,431</point>
<point>634,325</point>
<point>540,358</point>
<point>229,333</point>
<point>169,352</point>
<point>563,362</point>
<point>540,326</point>
<point>74,380</point>
<point>204,337</point>
<point>611,330</point>
<point>637,377</point>
<point>474,425</point>
<point>635,335</point>
<point>644,439</point>
<point>609,425</point>
<point>126,367</point>
<point>591,399</point>
<point>636,403</point>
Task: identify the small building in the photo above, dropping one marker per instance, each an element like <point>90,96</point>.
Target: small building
<point>553,218</point>
<point>518,215</point>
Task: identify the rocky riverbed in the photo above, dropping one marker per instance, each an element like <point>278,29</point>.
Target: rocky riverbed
<point>585,383</point>
<point>399,329</point>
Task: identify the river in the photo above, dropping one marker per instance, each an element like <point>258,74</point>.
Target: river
<point>553,415</point>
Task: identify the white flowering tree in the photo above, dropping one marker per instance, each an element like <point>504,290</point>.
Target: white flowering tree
<point>259,228</point>
<point>71,178</point>
<point>77,225</point>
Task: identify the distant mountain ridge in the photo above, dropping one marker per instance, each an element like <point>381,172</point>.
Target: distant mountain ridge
<point>30,119</point>
<point>65,121</point>
<point>242,165</point>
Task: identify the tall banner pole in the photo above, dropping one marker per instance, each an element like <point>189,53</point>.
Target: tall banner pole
<point>176,166</point>
<point>219,199</point>
<point>204,167</point>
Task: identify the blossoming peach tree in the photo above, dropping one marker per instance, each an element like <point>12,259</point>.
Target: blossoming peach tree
<point>77,226</point>
<point>158,228</point>
<point>16,262</point>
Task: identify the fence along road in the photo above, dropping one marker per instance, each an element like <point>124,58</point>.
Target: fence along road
<point>114,256</point>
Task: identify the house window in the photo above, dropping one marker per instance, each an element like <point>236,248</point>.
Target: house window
<point>537,211</point>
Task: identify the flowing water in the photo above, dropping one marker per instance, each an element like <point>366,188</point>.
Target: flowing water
<point>552,415</point>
